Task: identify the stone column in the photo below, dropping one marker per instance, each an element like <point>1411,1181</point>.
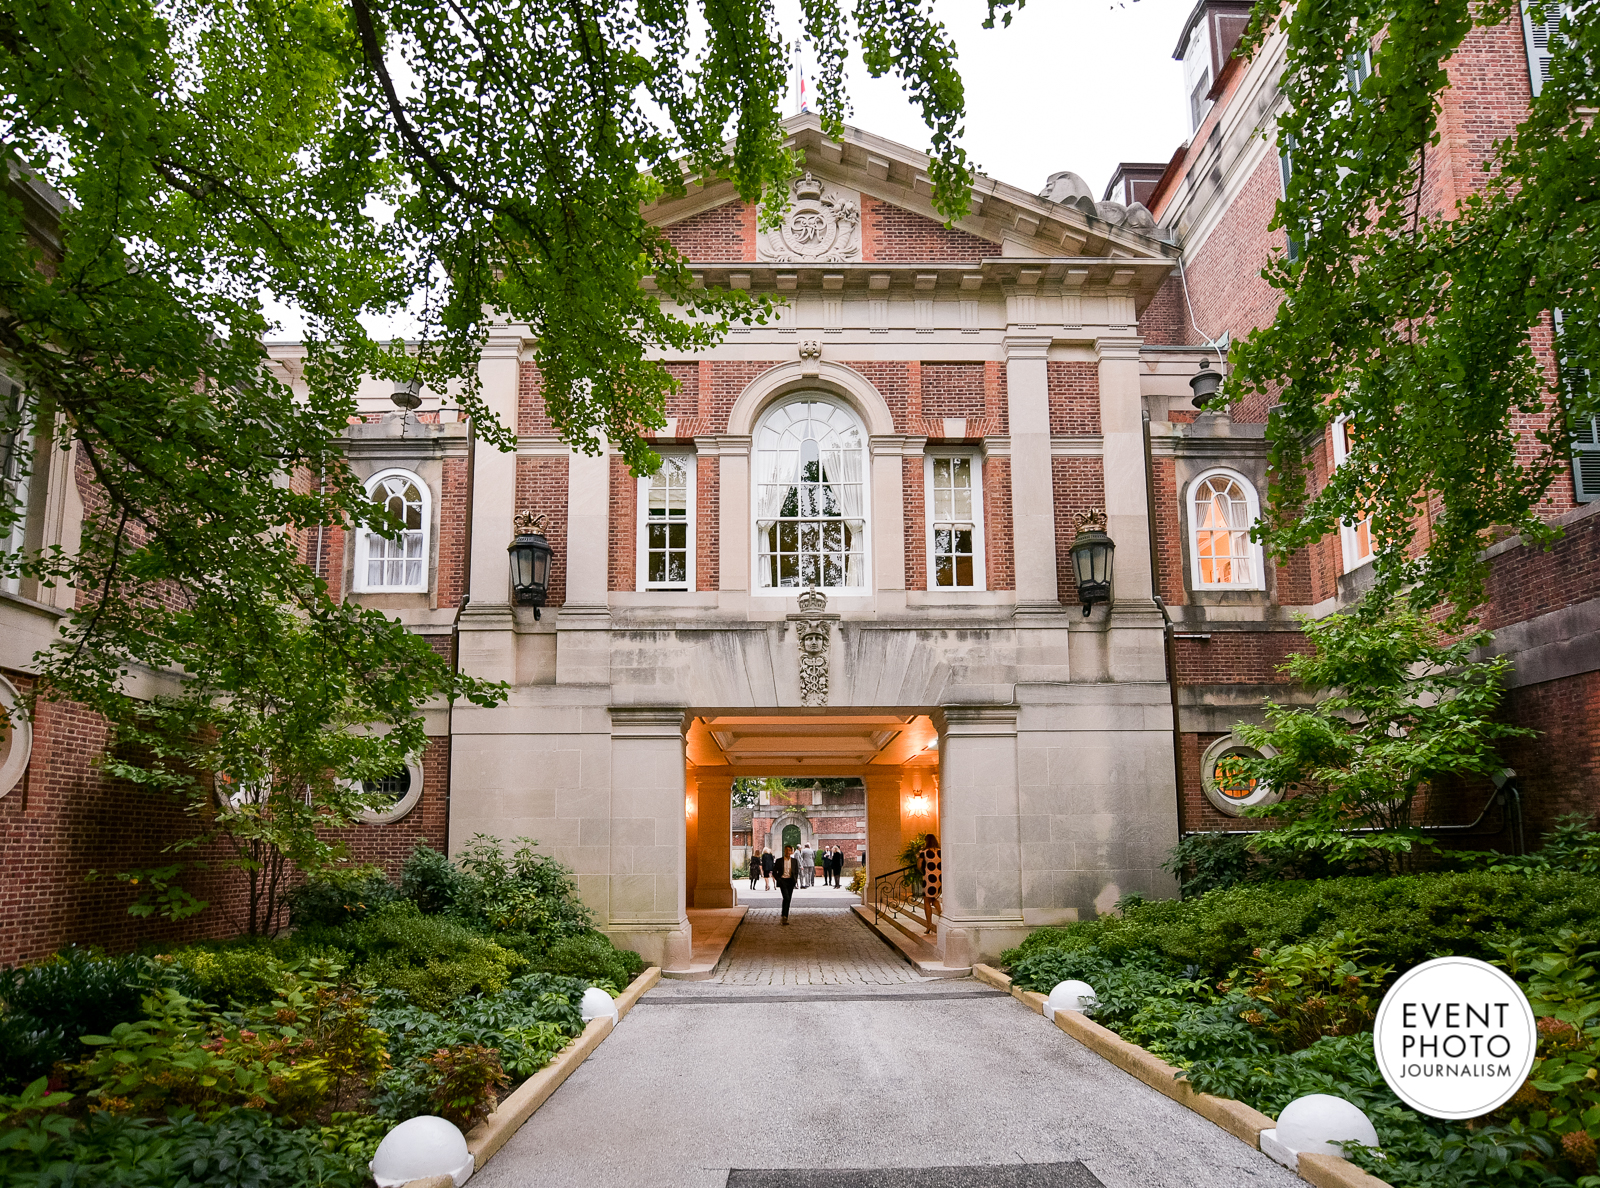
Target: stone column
<point>649,899</point>
<point>883,824</point>
<point>734,523</point>
<point>1033,517</point>
<point>889,517</point>
<point>1134,647</point>
<point>713,886</point>
<point>583,645</point>
<point>488,648</point>
<point>980,833</point>
<point>691,837</point>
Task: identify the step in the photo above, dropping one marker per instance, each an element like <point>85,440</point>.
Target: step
<point>927,959</point>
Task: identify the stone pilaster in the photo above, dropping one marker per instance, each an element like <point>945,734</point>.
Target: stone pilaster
<point>713,799</point>
<point>649,836</point>
<point>1033,521</point>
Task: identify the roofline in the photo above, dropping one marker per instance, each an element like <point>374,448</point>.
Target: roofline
<point>1194,19</point>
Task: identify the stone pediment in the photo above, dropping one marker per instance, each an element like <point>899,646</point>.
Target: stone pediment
<point>862,183</point>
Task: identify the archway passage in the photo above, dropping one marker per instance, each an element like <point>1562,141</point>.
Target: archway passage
<point>894,755</point>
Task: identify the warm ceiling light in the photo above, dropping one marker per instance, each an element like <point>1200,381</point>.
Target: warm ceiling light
<point>932,742</point>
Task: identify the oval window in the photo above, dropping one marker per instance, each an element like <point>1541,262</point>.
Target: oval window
<point>1226,786</point>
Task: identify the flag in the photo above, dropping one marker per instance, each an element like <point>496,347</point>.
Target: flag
<point>803,106</point>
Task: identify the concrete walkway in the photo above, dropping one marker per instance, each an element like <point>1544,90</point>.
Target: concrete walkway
<point>931,1084</point>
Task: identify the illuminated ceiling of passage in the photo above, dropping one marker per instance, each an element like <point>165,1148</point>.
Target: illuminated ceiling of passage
<point>836,745</point>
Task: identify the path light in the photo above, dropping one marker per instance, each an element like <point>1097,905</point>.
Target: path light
<point>597,1004</point>
<point>1092,552</point>
<point>530,562</point>
<point>419,1148</point>
<point>1312,1125</point>
<point>1071,995</point>
<point>1204,384</point>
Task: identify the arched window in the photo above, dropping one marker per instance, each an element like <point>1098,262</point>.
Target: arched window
<point>400,565</point>
<point>1222,506</point>
<point>810,496</point>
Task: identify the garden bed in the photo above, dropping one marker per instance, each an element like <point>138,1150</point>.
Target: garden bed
<point>1262,994</point>
<point>267,1062</point>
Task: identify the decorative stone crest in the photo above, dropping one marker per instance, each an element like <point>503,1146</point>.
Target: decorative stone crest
<point>810,348</point>
<point>815,628</point>
<point>823,225</point>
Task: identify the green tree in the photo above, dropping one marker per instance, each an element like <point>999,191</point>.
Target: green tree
<point>1400,709</point>
<point>1420,328</point>
<point>469,164</point>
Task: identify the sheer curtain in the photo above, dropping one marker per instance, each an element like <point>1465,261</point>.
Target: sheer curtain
<point>844,477</point>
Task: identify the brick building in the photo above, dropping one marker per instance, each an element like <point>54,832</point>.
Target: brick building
<point>916,436</point>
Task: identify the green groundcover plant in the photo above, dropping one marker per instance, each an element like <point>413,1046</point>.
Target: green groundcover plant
<point>1265,993</point>
<point>284,1062</point>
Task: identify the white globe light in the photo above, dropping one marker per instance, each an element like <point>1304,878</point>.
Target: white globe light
<point>419,1148</point>
<point>1071,995</point>
<point>1311,1125</point>
<point>597,1003</point>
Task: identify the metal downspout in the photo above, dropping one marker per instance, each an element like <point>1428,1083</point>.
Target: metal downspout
<point>455,626</point>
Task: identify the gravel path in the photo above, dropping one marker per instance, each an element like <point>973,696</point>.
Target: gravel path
<point>829,1056</point>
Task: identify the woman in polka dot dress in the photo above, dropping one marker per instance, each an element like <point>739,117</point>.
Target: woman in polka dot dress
<point>929,867</point>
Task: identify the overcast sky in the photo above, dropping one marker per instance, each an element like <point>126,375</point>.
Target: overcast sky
<point>1072,84</point>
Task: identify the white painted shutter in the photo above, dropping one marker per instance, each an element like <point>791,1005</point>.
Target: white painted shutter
<point>1537,36</point>
<point>1586,459</point>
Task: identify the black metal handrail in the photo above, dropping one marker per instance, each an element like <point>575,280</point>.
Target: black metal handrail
<point>894,880</point>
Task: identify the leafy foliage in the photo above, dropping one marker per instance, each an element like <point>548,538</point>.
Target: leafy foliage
<point>1304,992</point>
<point>340,894</point>
<point>1400,709</point>
<point>466,1083</point>
<point>47,1007</point>
<point>1420,327</point>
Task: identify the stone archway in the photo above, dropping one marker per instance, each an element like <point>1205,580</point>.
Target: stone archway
<point>775,833</point>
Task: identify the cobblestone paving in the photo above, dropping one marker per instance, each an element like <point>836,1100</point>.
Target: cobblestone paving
<point>824,945</point>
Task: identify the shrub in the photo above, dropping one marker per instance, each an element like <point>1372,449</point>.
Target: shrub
<point>49,1006</point>
<point>243,976</point>
<point>467,1081</point>
<point>526,892</point>
<point>432,959</point>
<point>432,881</point>
<point>592,956</point>
<point>339,895</point>
<point>1302,992</point>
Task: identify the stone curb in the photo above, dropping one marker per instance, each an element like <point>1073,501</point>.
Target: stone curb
<point>1238,1119</point>
<point>491,1134</point>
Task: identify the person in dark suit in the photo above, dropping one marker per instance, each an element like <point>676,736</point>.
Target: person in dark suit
<point>755,869</point>
<point>835,865</point>
<point>786,871</point>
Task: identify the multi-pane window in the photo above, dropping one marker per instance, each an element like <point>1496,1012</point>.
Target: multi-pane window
<point>1221,510</point>
<point>1355,537</point>
<point>399,564</point>
<point>666,525</point>
<point>16,440</point>
<point>810,496</point>
<point>955,522</point>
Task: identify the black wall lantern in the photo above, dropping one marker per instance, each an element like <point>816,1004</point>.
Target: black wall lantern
<point>1092,552</point>
<point>531,555</point>
<point>1204,383</point>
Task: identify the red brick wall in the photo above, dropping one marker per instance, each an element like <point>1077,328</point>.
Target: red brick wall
<point>1169,532</point>
<point>685,402</point>
<point>1165,321</point>
<point>426,824</point>
<point>1559,771</point>
<point>916,526</point>
<point>707,529</point>
<point>729,378</point>
<point>893,381</point>
<point>994,398</point>
<point>542,487</point>
<point>1079,484</point>
<point>452,531</point>
<point>1074,390</point>
<point>623,525</point>
<point>953,390</point>
<point>531,418</point>
<point>1236,657</point>
<point>892,234</point>
<point>1525,582</point>
<point>1000,564</point>
<point>724,233</point>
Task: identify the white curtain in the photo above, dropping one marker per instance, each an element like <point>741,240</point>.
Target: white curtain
<point>772,491</point>
<point>844,477</point>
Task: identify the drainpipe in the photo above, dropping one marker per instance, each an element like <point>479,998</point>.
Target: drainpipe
<point>1168,648</point>
<point>455,626</point>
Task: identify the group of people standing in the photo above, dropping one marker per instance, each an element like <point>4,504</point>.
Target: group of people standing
<point>792,870</point>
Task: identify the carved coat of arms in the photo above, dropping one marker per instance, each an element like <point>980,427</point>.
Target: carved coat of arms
<point>823,225</point>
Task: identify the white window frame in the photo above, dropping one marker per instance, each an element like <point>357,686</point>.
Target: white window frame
<point>1256,558</point>
<point>1349,548</point>
<point>16,472</point>
<point>980,577</point>
<point>364,535</point>
<point>642,537</point>
<point>869,536</point>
